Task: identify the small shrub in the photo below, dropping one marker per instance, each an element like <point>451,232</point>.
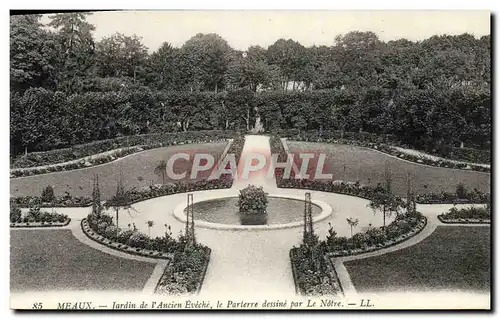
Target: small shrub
<point>48,195</point>
<point>138,240</point>
<point>15,214</point>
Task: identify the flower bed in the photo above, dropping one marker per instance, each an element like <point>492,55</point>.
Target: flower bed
<point>471,215</point>
<point>308,280</point>
<point>474,197</point>
<point>36,218</point>
<point>72,158</point>
<point>40,224</point>
<point>185,275</point>
<point>63,201</point>
<point>120,246</point>
<point>375,142</point>
<point>402,228</point>
<point>135,195</point>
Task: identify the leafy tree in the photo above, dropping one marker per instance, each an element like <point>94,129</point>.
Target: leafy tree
<point>291,57</point>
<point>33,53</point>
<point>203,61</point>
<point>119,55</point>
<point>352,223</point>
<point>76,43</point>
<point>162,67</point>
<point>384,201</point>
<point>119,201</point>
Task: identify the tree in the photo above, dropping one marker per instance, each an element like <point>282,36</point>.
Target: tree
<point>76,47</point>
<point>203,61</point>
<point>291,57</point>
<point>33,53</point>
<point>162,67</point>
<point>352,222</point>
<point>119,201</point>
<point>161,170</point>
<point>384,200</point>
<point>150,224</point>
<point>121,56</point>
<point>96,197</point>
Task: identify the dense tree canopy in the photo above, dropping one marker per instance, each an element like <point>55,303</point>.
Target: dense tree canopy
<point>67,87</point>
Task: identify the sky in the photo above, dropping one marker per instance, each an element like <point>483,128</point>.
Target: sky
<point>245,28</point>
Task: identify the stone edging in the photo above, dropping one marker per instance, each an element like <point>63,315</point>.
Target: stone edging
<point>464,221</point>
<point>421,226</point>
<point>204,272</point>
<point>294,274</point>
<point>40,224</point>
<point>179,214</point>
<point>121,247</point>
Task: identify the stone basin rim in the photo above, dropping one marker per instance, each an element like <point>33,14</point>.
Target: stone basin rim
<point>180,215</point>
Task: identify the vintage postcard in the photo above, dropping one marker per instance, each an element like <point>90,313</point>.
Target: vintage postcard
<point>290,160</point>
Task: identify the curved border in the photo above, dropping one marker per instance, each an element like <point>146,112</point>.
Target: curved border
<point>34,168</point>
<point>326,211</point>
<point>152,254</point>
<point>394,156</point>
<point>387,244</point>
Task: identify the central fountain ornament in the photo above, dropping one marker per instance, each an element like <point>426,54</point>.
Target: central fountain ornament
<point>252,203</point>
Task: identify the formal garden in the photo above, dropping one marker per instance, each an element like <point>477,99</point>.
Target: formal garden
<point>92,206</point>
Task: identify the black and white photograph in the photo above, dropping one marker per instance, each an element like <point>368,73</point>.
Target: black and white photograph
<point>250,160</point>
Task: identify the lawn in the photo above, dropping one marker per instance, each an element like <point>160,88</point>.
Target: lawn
<point>48,260</point>
<point>137,171</point>
<point>368,166</point>
<point>452,258</point>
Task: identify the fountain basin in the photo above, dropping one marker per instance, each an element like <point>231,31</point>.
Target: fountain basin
<point>221,212</point>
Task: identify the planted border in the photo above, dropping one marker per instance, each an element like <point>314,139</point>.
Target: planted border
<point>469,215</point>
<point>122,247</point>
<point>302,279</point>
<point>379,143</point>
<point>464,221</point>
<point>389,243</point>
<point>177,278</point>
<point>362,191</point>
<point>32,160</point>
<point>40,224</point>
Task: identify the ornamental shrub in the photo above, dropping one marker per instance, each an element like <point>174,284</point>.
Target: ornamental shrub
<point>15,214</point>
<point>48,195</point>
<point>138,240</point>
<point>252,203</point>
<point>124,236</point>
